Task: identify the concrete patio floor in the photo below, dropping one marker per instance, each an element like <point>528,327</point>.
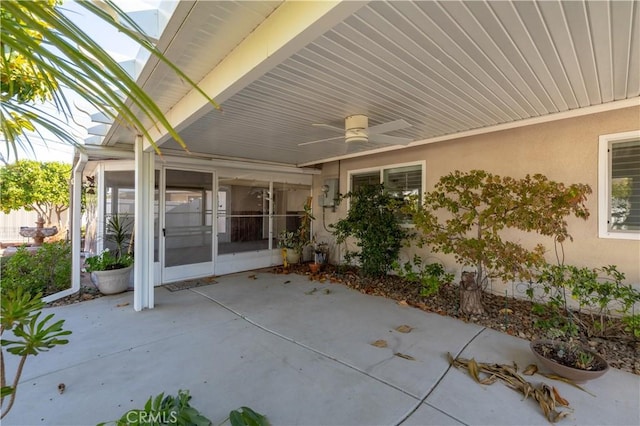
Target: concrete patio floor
<point>299,356</point>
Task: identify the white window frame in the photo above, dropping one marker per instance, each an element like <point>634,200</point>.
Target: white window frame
<point>381,169</point>
<point>604,185</point>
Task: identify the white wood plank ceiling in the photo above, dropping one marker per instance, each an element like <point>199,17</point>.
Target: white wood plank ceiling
<point>444,67</point>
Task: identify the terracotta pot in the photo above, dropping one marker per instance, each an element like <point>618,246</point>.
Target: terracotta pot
<point>575,374</point>
<point>314,267</point>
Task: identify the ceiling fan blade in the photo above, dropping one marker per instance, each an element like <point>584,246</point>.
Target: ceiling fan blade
<point>389,127</point>
<point>321,140</point>
<point>329,127</point>
<point>391,140</point>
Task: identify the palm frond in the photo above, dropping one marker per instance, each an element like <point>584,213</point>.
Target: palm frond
<point>67,57</point>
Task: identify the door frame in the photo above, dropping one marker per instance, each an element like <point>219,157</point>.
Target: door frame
<point>170,274</point>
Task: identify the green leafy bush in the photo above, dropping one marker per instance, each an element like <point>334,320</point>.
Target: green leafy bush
<point>597,289</point>
<point>176,410</point>
<point>632,324</point>
<point>46,271</point>
<point>373,220</point>
<point>106,261</point>
<point>429,275</point>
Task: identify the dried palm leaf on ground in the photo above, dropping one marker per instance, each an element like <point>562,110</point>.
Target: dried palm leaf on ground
<point>547,396</point>
<point>564,379</point>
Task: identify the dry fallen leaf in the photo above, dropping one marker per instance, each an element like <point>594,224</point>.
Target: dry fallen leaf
<point>253,277</point>
<point>404,328</point>
<point>409,357</point>
<point>403,303</point>
<point>311,291</point>
<point>380,343</point>
<point>287,282</point>
<point>560,400</point>
<point>120,305</point>
<point>505,311</point>
<point>61,388</point>
<point>530,370</point>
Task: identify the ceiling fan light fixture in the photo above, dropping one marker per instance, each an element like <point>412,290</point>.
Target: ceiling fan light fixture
<point>355,127</point>
<point>356,136</point>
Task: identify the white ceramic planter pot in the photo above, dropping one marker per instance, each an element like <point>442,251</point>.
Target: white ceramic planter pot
<point>114,281</point>
<point>293,257</point>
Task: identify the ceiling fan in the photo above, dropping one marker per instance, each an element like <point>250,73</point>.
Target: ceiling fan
<point>357,130</point>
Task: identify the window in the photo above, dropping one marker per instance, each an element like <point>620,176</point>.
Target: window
<point>619,186</point>
<point>401,180</point>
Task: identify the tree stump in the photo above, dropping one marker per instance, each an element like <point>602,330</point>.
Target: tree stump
<point>470,295</point>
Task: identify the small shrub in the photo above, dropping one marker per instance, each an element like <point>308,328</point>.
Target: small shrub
<point>429,275</point>
<point>46,271</point>
<point>632,324</point>
<point>598,289</point>
<point>373,220</point>
<point>176,410</point>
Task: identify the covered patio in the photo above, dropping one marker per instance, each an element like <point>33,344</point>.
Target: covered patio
<point>513,88</point>
<point>296,350</point>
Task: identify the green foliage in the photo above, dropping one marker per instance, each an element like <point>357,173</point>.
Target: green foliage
<point>245,416</point>
<point>164,410</point>
<point>118,259</point>
<point>47,270</point>
<point>429,275</point>
<point>43,187</point>
<point>43,50</point>
<point>176,410</point>
<point>632,324</point>
<point>297,240</point>
<point>598,289</point>
<point>107,261</point>
<point>21,316</point>
<point>621,188</point>
<point>373,221</point>
<point>466,212</point>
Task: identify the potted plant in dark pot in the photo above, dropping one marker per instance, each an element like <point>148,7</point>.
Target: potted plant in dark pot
<point>111,270</point>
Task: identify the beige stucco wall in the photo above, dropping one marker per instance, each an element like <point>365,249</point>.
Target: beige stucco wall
<point>564,150</point>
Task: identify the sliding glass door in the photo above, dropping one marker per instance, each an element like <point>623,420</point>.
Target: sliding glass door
<point>187,230</point>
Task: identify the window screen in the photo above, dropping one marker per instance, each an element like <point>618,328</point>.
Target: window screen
<point>363,179</point>
<point>624,207</point>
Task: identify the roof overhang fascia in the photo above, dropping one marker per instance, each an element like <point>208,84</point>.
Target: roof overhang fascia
<point>287,30</point>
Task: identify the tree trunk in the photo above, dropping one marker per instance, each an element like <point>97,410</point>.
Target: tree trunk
<point>470,295</point>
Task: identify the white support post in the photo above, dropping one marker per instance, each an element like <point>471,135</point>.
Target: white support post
<point>143,290</point>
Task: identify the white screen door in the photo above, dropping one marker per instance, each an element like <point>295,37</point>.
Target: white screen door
<point>188,224</point>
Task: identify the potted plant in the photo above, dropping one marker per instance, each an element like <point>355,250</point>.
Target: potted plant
<point>320,255</point>
<point>568,358</point>
<point>110,270</point>
<point>289,242</point>
<point>293,243</point>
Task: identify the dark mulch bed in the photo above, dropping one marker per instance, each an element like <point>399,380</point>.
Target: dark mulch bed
<point>506,314</point>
